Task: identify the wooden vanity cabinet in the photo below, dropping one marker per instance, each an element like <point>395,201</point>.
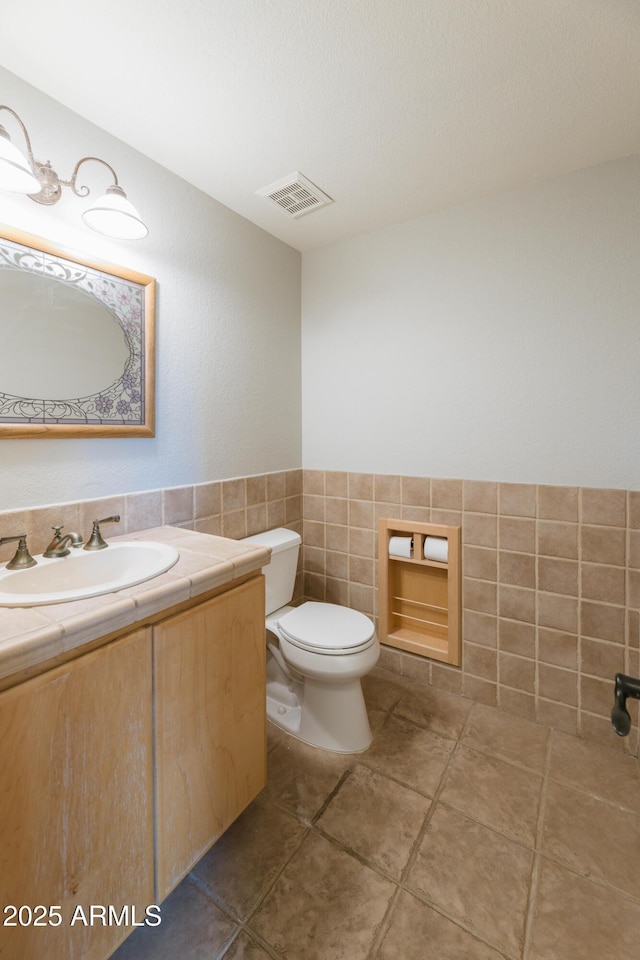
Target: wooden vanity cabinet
<point>210,724</point>
<point>85,746</point>
<point>76,816</point>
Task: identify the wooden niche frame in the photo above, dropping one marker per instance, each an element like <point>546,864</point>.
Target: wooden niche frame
<point>123,408</point>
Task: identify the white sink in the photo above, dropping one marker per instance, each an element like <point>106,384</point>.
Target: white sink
<point>85,573</point>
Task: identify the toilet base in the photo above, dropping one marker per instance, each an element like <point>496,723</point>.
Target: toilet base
<point>330,716</point>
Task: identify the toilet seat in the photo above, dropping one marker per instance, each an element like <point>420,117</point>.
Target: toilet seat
<point>327,628</point>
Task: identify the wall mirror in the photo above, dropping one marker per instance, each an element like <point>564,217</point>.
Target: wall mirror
<point>77,344</point>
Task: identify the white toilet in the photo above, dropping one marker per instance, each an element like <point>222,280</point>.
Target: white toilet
<point>317,654</point>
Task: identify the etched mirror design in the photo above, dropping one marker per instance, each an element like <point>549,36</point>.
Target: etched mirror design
<point>76,344</point>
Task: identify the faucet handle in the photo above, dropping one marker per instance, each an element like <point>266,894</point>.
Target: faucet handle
<point>57,536</point>
<point>96,541</point>
<point>22,558</point>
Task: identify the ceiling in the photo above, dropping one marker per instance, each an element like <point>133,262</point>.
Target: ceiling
<point>395,108</point>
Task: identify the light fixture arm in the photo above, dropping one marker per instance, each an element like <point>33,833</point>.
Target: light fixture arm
<point>84,191</point>
<point>24,132</point>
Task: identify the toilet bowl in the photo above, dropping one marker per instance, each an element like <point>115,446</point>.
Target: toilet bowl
<point>317,654</point>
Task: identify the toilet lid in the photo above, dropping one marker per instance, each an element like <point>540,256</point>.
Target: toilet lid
<point>327,628</point>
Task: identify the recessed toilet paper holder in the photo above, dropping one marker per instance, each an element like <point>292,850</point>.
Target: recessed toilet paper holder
<point>625,687</point>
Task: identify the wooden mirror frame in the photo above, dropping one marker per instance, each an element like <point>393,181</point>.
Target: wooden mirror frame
<point>130,298</point>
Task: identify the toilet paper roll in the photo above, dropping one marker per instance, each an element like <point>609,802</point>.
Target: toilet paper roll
<point>400,546</point>
<point>436,548</point>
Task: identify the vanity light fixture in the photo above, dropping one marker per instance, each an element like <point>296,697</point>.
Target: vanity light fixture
<point>111,214</point>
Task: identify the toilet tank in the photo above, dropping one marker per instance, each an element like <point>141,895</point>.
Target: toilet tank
<point>280,574</point>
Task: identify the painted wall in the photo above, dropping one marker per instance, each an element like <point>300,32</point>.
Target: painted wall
<point>228,326</point>
<point>496,341</point>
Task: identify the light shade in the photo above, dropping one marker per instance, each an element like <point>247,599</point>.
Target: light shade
<point>15,173</point>
<point>114,216</point>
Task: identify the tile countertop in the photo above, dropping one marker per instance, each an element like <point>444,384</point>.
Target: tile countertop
<point>32,636</point>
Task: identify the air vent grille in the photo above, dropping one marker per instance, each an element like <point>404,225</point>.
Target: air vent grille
<point>295,196</point>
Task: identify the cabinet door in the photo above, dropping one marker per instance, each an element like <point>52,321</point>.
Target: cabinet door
<point>76,820</point>
<point>210,724</point>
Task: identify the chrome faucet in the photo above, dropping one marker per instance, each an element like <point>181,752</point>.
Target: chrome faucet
<point>58,546</point>
<point>22,558</point>
<point>95,541</point>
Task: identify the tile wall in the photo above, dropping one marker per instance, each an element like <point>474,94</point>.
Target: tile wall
<point>551,575</point>
<point>550,586</point>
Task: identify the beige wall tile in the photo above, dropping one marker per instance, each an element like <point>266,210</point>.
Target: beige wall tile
<point>446,678</point>
<point>276,485</point>
<point>484,691</point>
<point>517,569</point>
<point>446,494</point>
<point>601,659</point>
<point>451,518</point>
<point>557,715</point>
<point>293,486</point>
<point>517,603</point>
<point>517,672</point>
<point>387,488</point>
<point>480,661</point>
<point>560,613</point>
<point>233,495</point>
<point>256,519</point>
<point>361,570</point>
<point>557,684</point>
<point>480,562</point>
<point>360,486</point>
<point>514,636</point>
<point>416,491</point>
<point>361,514</point>
<point>275,514</point>
<point>480,628</point>
<point>602,621</point>
<point>480,496</point>
<point>603,583</point>
<point>208,497</point>
<point>337,565</point>
<point>336,510</point>
<point>516,533</point>
<point>603,544</point>
<point>256,489</point>
<point>362,542</point>
<point>361,598</point>
<point>608,507</point>
<point>517,703</point>
<point>517,499</point>
<point>557,503</point>
<point>558,648</point>
<point>313,507</point>
<point>421,514</point>
<point>177,504</point>
<point>558,576</point>
<point>337,591</point>
<point>313,482</point>
<point>634,589</point>
<point>479,595</point>
<point>336,483</point>
<point>234,524</point>
<point>143,510</point>
<point>480,529</point>
<point>313,533</point>
<point>634,549</point>
<point>293,510</point>
<point>558,539</point>
<point>595,695</point>
<point>336,537</point>
<point>634,509</point>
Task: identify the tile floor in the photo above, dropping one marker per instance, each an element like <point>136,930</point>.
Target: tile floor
<point>461,834</point>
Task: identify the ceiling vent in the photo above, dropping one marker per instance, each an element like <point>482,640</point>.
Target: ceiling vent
<point>295,195</point>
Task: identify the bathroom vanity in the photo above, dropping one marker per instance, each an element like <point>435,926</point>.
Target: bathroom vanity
<point>126,748</point>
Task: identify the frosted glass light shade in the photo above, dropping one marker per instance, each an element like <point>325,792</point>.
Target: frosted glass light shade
<point>114,216</point>
<point>16,175</point>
